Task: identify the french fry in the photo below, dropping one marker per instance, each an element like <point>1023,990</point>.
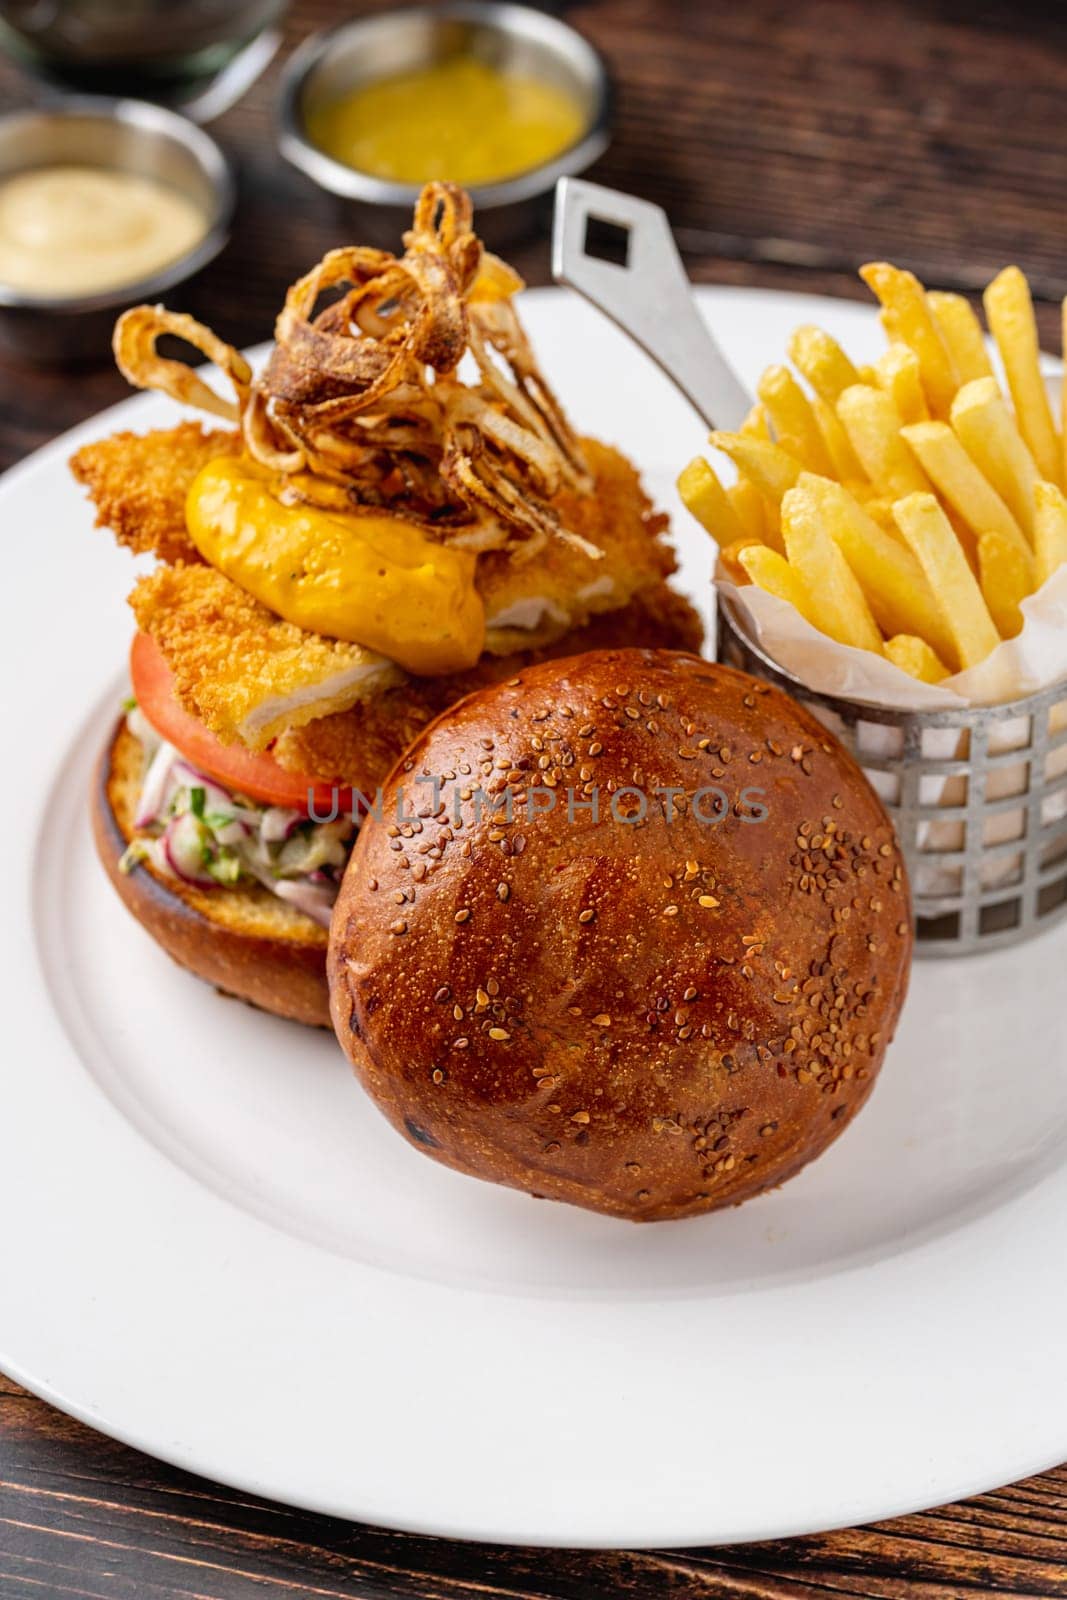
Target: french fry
<point>772,525</point>
<point>899,507</point>
<point>879,508</point>
<point>986,429</point>
<point>821,360</point>
<point>908,319</point>
<point>1050,531</point>
<point>940,554</point>
<point>772,572</point>
<point>959,481</point>
<point>898,375</point>
<point>870,419</point>
<point>746,502</point>
<point>892,580</point>
<point>915,657</point>
<point>704,496</point>
<point>770,468</point>
<point>1007,577</point>
<point>794,421</point>
<point>730,558</point>
<point>756,424</point>
<point>840,607</point>
<point>1010,313</point>
<point>846,465</point>
<point>962,332</point>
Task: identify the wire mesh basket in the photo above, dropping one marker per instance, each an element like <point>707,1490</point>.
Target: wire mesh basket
<point>978,797</point>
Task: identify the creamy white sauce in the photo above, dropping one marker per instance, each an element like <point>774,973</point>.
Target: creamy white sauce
<point>70,230</point>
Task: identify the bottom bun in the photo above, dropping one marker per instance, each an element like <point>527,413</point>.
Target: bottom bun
<point>243,940</point>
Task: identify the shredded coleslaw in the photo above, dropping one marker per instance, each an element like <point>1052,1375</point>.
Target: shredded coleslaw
<point>192,829</point>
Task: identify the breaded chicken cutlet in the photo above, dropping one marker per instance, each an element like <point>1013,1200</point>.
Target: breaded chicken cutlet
<point>249,675</point>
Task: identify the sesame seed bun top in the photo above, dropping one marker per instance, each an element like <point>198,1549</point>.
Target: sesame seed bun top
<point>668,981</point>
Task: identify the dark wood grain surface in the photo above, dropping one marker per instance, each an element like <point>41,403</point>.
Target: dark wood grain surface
<point>789,142</point>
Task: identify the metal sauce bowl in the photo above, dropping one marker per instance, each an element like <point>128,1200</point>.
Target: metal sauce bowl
<point>127,136</point>
<point>329,64</point>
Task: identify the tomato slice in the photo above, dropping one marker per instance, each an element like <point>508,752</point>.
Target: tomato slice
<point>258,777</point>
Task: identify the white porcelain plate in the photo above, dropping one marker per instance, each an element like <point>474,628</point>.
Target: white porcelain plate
<point>214,1247</point>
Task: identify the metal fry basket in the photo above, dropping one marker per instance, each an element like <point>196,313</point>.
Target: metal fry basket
<point>978,797</point>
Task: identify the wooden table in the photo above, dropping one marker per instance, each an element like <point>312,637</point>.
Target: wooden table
<point>789,143</point>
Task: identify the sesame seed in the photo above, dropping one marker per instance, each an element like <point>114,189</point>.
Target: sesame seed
<point>602,1020</point>
<point>499,1033</point>
<point>461,916</point>
<point>399,927</point>
<point>460,1044</point>
<point>580,1116</point>
<point>587,915</point>
<point>708,901</point>
<point>502,891</point>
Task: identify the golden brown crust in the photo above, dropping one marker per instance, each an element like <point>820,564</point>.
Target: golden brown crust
<point>360,745</point>
<point>243,671</point>
<point>138,483</point>
<point>618,518</point>
<point>649,1020</point>
<point>244,940</point>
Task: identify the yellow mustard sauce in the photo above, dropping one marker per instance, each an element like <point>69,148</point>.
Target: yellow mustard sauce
<point>70,230</point>
<point>370,579</point>
<point>460,119</point>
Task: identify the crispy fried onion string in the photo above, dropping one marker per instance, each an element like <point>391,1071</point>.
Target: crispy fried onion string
<point>134,344</point>
<point>361,402</point>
